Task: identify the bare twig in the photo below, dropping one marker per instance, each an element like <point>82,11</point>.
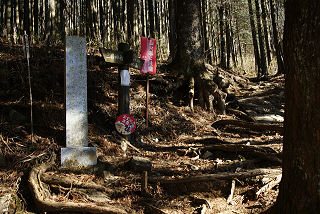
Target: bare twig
<point>233,186</point>
<point>68,193</point>
<point>6,142</point>
<point>27,55</point>
<point>269,185</point>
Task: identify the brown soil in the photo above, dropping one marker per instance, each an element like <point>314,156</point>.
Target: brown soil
<point>175,142</point>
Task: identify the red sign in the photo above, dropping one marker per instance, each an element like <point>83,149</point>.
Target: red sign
<point>148,54</point>
<point>125,124</point>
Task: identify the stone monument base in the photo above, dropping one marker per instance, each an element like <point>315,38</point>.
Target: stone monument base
<point>78,158</point>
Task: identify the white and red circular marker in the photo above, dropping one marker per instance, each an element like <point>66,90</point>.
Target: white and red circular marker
<point>125,124</point>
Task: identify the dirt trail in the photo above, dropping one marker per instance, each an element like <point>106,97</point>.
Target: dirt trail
<point>178,143</point>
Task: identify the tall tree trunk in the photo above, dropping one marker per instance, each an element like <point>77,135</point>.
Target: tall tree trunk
<point>276,39</point>
<point>12,20</point>
<point>26,24</point>
<point>233,47</point>
<point>1,15</point>
<point>143,24</point>
<point>300,185</point>
<point>228,39</point>
<point>265,29</point>
<point>203,18</point>
<point>263,60</point>
<point>90,19</point>
<point>130,23</point>
<point>254,38</point>
<point>123,17</point>
<point>189,59</point>
<point>36,17</point>
<point>101,24</point>
<point>222,41</point>
<point>151,18</point>
<point>47,20</point>
<point>239,42</point>
<point>62,19</point>
<point>172,29</point>
<point>156,15</point>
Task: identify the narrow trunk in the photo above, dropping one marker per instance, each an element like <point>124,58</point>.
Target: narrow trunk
<point>143,25</point>
<point>130,24</point>
<point>254,38</point>
<point>1,15</point>
<point>172,29</point>
<point>47,20</point>
<point>228,39</point>
<point>265,29</point>
<point>264,69</point>
<point>204,30</point>
<point>36,17</point>
<point>151,18</point>
<point>233,47</point>
<point>239,42</point>
<point>157,21</point>
<point>275,39</point>
<point>26,24</point>
<point>222,41</point>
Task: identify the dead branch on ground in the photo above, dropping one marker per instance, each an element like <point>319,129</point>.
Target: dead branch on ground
<point>259,152</point>
<point>250,125</point>
<point>213,177</point>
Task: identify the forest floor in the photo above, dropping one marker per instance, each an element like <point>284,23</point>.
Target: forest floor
<point>195,164</point>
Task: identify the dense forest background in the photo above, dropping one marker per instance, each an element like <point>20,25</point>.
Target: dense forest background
<point>231,30</point>
<point>265,129</point>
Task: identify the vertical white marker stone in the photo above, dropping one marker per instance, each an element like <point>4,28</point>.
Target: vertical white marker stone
<point>77,154</point>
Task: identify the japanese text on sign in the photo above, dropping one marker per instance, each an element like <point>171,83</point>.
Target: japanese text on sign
<point>148,54</point>
<point>125,124</point>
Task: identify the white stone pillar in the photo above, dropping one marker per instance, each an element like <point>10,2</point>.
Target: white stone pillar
<point>77,154</point>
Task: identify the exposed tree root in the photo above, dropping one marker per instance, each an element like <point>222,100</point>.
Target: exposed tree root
<point>264,153</point>
<point>51,178</point>
<point>213,177</point>
<point>250,125</point>
<point>240,114</point>
<point>261,153</point>
<point>42,196</point>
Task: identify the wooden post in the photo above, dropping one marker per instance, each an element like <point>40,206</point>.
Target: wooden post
<point>144,182</point>
<point>147,102</point>
<point>123,99</point>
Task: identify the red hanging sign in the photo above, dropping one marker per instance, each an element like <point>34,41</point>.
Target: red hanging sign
<point>148,54</point>
<point>125,124</point>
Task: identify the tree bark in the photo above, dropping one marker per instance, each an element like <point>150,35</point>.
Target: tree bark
<point>172,29</point>
<point>254,37</point>
<point>151,18</point>
<point>36,17</point>
<point>263,61</point>
<point>204,30</point>
<point>276,39</point>
<point>130,23</point>
<point>223,64</point>
<point>189,59</point>
<point>265,29</point>
<point>26,24</point>
<point>300,185</point>
<point>228,37</point>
